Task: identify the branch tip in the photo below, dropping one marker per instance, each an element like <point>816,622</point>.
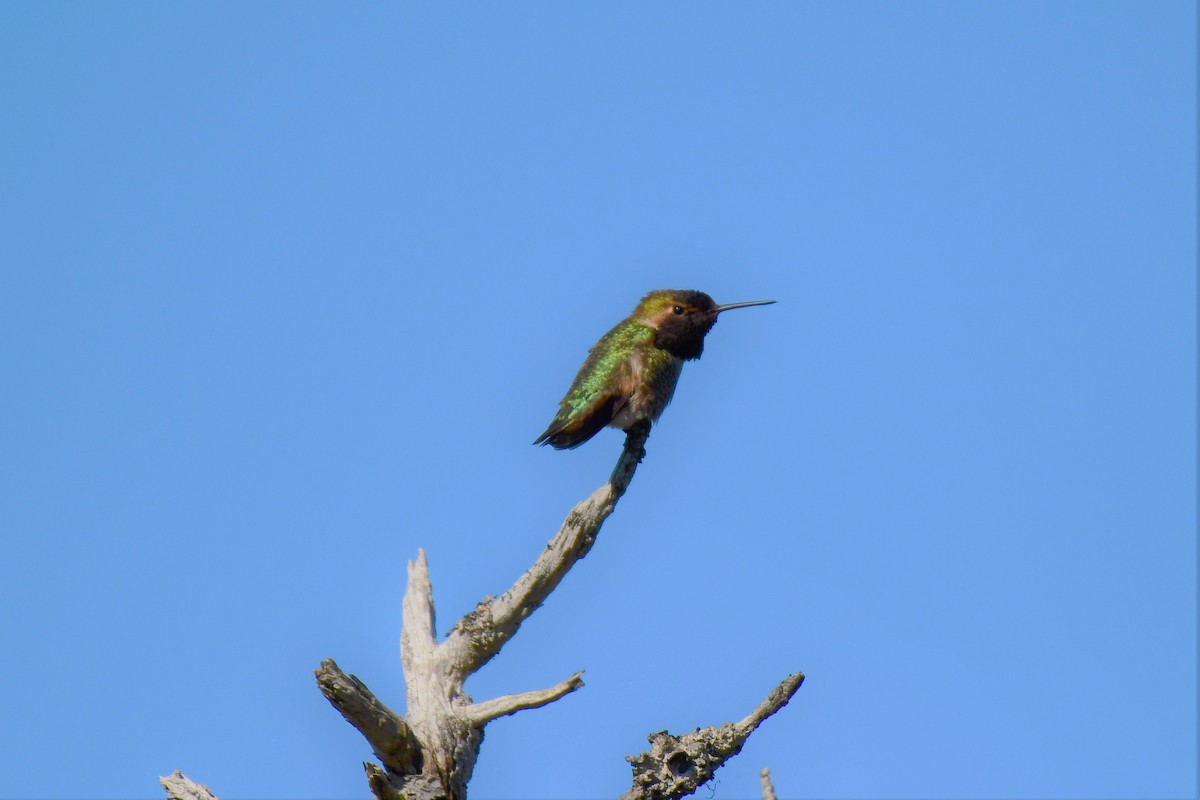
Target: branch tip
<point>675,766</point>
<point>776,700</point>
<point>479,714</point>
<point>768,788</point>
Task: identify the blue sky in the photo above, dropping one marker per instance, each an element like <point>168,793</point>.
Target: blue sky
<point>290,288</point>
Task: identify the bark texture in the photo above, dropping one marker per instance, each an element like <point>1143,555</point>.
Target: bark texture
<point>179,787</point>
<point>676,766</point>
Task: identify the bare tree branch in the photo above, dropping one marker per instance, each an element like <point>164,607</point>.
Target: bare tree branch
<point>384,786</point>
<point>390,737</point>
<point>481,713</point>
<point>768,788</point>
<point>430,753</point>
<point>776,700</point>
<point>442,721</point>
<point>379,783</point>
<point>675,766</point>
<point>418,638</point>
<point>179,787</point>
<point>479,635</point>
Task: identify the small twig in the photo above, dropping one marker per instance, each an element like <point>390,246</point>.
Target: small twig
<point>768,789</point>
<point>478,714</point>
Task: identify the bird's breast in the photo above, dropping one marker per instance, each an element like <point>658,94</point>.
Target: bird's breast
<point>653,376</point>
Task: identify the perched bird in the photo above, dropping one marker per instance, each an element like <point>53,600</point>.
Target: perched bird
<point>630,374</point>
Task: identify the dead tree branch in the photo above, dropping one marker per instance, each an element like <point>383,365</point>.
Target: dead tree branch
<point>675,766</point>
<point>389,736</point>
<point>430,753</point>
<point>768,788</point>
<point>482,713</point>
<point>179,787</point>
<point>479,635</point>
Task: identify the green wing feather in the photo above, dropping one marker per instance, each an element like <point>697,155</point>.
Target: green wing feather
<point>601,388</point>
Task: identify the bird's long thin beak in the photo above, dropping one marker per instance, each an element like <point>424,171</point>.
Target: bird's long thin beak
<point>719,309</point>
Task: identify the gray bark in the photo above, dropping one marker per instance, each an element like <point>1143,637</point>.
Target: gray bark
<point>179,787</point>
<point>676,766</point>
<point>768,788</point>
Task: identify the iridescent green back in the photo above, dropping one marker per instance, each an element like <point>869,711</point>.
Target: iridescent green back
<point>606,382</point>
<point>609,366</point>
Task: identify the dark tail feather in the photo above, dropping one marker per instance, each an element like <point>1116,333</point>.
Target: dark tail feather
<point>564,434</point>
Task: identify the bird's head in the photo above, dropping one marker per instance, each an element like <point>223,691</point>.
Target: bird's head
<point>681,318</point>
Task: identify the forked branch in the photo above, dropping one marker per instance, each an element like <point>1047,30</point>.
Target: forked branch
<point>430,754</point>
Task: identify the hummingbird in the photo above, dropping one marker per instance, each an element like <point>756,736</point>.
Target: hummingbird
<point>631,373</point>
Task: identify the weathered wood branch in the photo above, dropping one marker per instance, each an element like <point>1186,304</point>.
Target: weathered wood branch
<point>768,788</point>
<point>430,754</point>
<point>482,713</point>
<point>479,635</point>
<point>675,766</point>
<point>389,736</point>
<point>777,699</point>
<point>180,787</point>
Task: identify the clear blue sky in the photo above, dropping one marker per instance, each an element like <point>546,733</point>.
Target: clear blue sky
<point>289,289</point>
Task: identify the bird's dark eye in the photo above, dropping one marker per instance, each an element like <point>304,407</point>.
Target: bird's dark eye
<point>678,309</point>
